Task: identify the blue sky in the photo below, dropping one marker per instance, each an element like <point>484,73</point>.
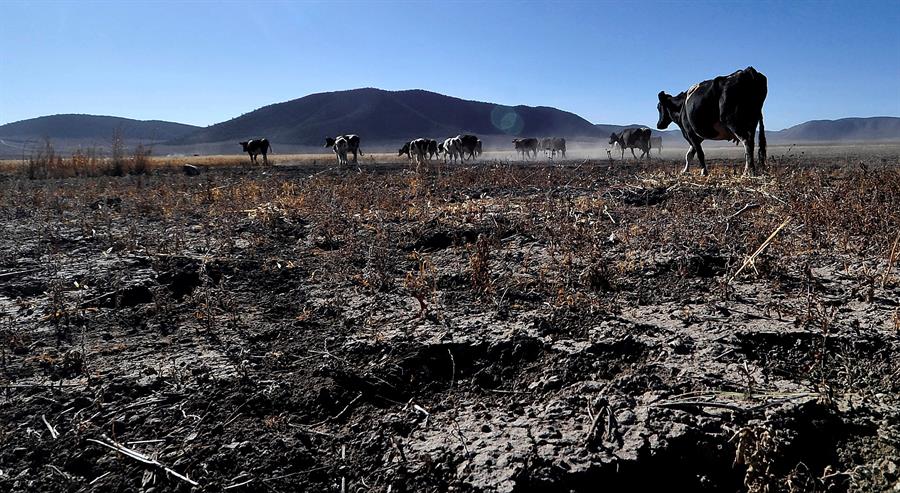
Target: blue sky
<point>204,62</point>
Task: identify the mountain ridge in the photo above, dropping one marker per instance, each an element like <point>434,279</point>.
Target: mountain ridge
<point>383,118</point>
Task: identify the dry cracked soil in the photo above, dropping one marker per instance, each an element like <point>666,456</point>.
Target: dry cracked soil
<point>496,327</point>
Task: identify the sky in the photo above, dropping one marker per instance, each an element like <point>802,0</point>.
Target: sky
<point>202,62</point>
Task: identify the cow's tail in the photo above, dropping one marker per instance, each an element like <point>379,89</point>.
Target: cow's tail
<point>762,143</point>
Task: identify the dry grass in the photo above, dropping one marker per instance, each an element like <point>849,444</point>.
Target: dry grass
<point>589,232</point>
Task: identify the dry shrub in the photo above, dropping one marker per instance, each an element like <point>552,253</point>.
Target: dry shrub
<point>421,283</point>
<point>41,164</point>
<point>46,163</point>
<point>479,264</point>
<point>758,449</point>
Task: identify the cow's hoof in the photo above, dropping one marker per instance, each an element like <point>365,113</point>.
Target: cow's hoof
<point>704,172</point>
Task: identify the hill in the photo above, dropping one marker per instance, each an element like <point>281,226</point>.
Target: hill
<point>844,129</point>
<point>389,116</point>
<point>93,127</point>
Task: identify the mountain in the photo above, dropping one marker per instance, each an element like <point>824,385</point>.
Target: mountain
<point>92,127</point>
<point>382,119</point>
<point>845,129</point>
<point>389,116</point>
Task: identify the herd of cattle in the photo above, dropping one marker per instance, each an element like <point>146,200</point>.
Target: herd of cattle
<point>725,108</point>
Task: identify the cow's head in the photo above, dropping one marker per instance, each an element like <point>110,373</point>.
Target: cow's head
<point>665,107</point>
<point>244,144</point>
<point>613,138</point>
<point>329,142</point>
<point>404,150</point>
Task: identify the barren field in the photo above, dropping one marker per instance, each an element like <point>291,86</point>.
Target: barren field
<point>496,327</point>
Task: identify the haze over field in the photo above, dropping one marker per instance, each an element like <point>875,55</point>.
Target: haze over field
<point>384,118</point>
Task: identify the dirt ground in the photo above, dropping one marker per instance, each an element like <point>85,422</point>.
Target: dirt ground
<point>501,328</point>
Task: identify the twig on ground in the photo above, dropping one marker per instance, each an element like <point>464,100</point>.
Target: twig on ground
<point>606,211</point>
<point>762,247</point>
<point>133,454</point>
<point>891,259</point>
<point>7,275</point>
<point>338,415</point>
<point>53,432</point>
<point>238,485</point>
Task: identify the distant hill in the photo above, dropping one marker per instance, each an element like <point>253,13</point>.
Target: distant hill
<point>846,129</point>
<point>93,127</point>
<point>389,116</point>
<point>382,119</point>
<point>879,128</point>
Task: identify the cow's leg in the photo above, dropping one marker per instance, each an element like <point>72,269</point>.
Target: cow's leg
<point>749,168</point>
<point>702,158</point>
<point>687,159</point>
<point>762,144</point>
<point>633,154</point>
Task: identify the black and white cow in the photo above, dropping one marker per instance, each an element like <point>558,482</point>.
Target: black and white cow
<point>340,146</point>
<point>527,147</point>
<point>352,144</point>
<point>405,150</point>
<point>631,138</point>
<point>558,145</point>
<point>468,145</point>
<point>547,146</point>
<point>432,148</point>
<point>256,146</point>
<point>725,108</point>
<point>419,150</point>
<point>452,149</point>
<point>656,142</point>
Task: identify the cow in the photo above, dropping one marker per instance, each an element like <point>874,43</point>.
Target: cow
<point>352,144</point>
<point>340,146</point>
<point>468,145</point>
<point>452,149</point>
<point>432,148</point>
<point>547,146</point>
<point>405,150</point>
<point>552,145</point>
<point>657,143</point>
<point>478,148</point>
<point>256,146</point>
<point>419,150</point>
<point>631,138</point>
<point>725,108</point>
<point>527,147</point>
<point>558,145</point>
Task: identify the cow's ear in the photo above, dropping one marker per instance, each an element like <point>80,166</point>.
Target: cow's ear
<point>663,96</point>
